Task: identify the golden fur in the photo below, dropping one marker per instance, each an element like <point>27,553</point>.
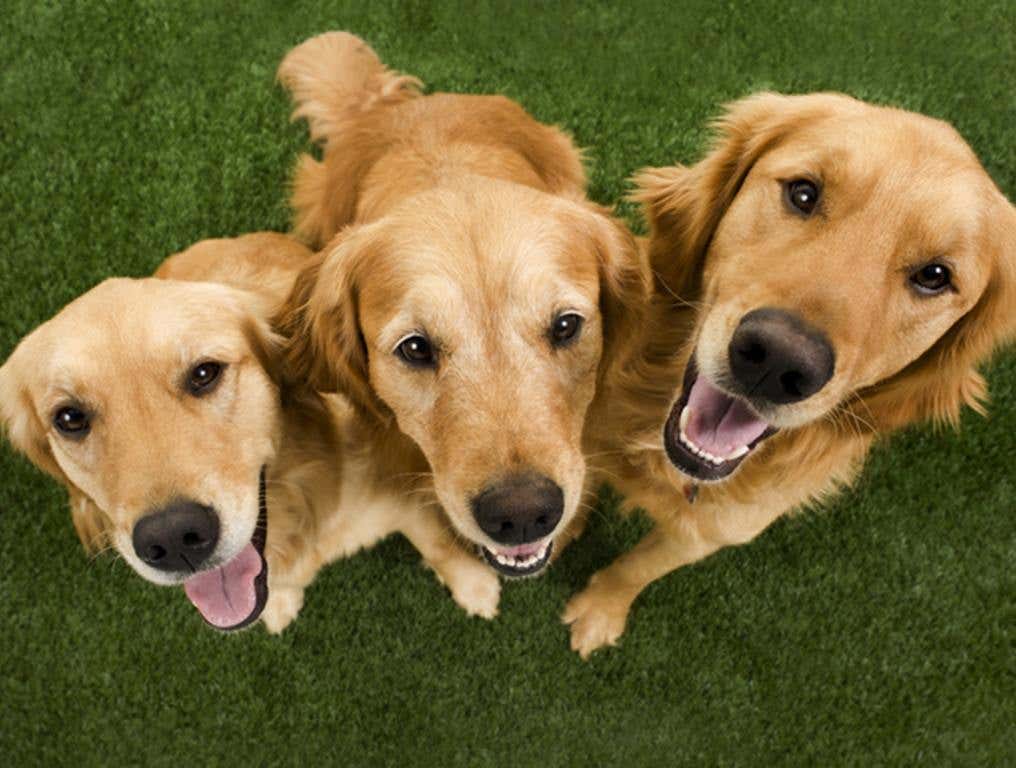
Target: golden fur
<point>122,350</point>
<point>900,189</point>
<point>463,218</point>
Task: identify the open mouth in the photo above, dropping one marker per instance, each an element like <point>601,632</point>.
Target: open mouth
<point>523,560</point>
<point>709,432</point>
<point>232,596</point>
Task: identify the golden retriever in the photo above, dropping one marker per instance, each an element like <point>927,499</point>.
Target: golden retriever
<point>467,299</point>
<point>157,403</point>
<point>830,272</point>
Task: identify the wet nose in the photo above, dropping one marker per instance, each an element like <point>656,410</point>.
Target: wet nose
<point>178,537</point>
<point>777,356</point>
<point>519,509</point>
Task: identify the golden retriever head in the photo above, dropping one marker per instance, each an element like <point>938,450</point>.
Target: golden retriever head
<point>477,316</point>
<point>842,256</point>
<point>152,401</point>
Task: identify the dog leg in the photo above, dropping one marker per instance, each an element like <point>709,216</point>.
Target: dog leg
<point>284,603</point>
<point>474,586</point>
<point>287,581</point>
<point>597,614</point>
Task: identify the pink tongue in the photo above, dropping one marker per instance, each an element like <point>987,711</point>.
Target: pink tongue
<point>523,550</point>
<point>226,595</point>
<point>718,423</point>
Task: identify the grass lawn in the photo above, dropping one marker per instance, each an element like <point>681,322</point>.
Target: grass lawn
<point>879,630</point>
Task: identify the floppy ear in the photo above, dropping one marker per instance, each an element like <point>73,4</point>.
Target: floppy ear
<point>21,423</point>
<point>945,378</point>
<point>625,288</point>
<point>324,348</point>
<point>27,434</point>
<point>265,344</point>
<point>683,205</point>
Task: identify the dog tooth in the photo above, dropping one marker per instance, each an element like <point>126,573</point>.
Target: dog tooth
<point>738,453</point>
<point>684,418</point>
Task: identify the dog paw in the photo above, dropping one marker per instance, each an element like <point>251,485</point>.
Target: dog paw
<point>597,620</point>
<point>284,603</point>
<point>476,588</point>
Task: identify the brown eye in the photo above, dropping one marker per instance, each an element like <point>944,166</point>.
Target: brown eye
<point>71,421</point>
<point>565,328</point>
<point>931,279</point>
<point>417,351</point>
<point>203,377</point>
<point>802,196</point>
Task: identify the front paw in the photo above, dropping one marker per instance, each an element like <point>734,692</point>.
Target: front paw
<point>284,603</point>
<point>475,587</point>
<point>597,616</point>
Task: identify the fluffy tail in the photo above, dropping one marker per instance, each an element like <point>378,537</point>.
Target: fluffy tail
<point>335,76</point>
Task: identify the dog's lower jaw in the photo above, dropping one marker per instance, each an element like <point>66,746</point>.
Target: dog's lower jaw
<point>693,460</point>
<point>519,566</point>
<point>204,588</point>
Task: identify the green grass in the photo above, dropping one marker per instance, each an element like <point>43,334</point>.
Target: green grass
<point>878,631</point>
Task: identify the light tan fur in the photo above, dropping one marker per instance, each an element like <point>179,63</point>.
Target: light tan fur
<point>461,217</point>
<point>123,350</point>
<point>265,263</point>
<point>899,190</point>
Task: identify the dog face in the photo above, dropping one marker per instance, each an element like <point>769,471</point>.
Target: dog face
<point>842,253</point>
<point>477,319</point>
<point>151,401</point>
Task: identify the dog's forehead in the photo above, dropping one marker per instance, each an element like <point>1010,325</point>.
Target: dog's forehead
<point>126,329</point>
<point>893,160</point>
<point>499,250</point>
<point>877,137</point>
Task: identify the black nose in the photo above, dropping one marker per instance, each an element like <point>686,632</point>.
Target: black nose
<point>177,537</point>
<point>777,356</point>
<point>519,509</point>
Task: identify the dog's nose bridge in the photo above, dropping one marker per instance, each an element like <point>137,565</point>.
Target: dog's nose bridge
<point>158,461</point>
